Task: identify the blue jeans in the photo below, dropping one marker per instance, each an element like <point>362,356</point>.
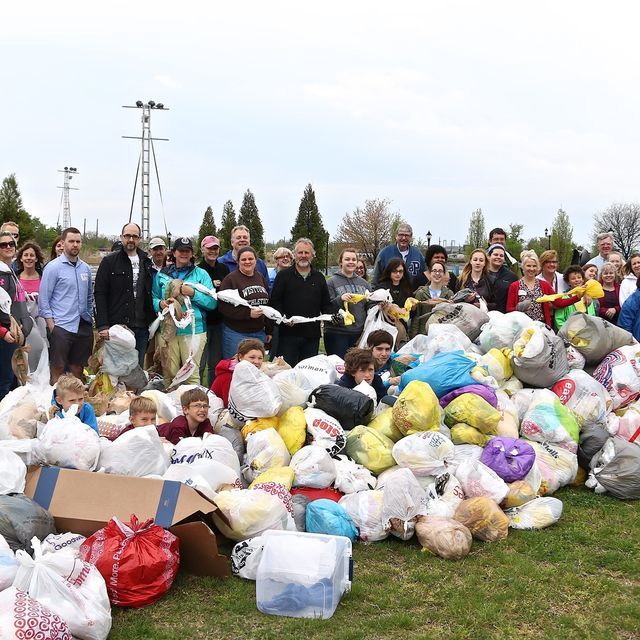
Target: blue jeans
<point>231,339</point>
<point>338,343</point>
<point>212,353</point>
<point>7,378</point>
<point>142,342</point>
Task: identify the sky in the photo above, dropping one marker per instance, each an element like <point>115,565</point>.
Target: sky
<point>440,107</point>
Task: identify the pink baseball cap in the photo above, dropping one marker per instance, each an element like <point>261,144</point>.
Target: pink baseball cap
<point>209,241</point>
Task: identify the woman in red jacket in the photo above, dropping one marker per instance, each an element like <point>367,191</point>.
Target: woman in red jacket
<point>524,292</point>
<point>250,349</point>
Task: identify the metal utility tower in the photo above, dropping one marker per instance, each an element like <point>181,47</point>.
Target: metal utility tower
<point>144,161</point>
<point>69,172</point>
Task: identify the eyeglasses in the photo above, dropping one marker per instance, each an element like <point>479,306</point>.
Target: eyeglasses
<point>437,271</point>
<point>285,257</point>
<point>130,236</point>
<point>7,245</point>
<point>199,405</point>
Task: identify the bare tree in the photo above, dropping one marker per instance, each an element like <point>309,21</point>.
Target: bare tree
<point>623,220</point>
<point>368,229</point>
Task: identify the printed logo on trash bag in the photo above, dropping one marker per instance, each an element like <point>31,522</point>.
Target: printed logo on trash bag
<point>564,389</point>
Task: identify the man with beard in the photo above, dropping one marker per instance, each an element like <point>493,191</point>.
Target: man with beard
<point>66,303</point>
<point>123,290</point>
<point>302,291</point>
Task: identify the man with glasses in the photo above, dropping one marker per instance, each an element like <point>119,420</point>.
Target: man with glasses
<point>403,248</point>
<point>66,303</point>
<point>123,290</point>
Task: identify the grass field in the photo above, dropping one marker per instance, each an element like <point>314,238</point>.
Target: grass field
<point>577,579</point>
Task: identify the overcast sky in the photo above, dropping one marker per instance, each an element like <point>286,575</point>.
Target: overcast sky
<point>441,107</point>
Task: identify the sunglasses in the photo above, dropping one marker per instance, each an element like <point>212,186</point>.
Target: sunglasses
<point>7,245</point>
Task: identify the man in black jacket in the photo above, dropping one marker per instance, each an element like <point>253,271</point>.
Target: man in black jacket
<point>300,290</point>
<point>123,290</point>
<point>212,354</point>
<point>499,276</point>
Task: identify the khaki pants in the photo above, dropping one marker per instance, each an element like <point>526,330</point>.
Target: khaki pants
<point>178,354</point>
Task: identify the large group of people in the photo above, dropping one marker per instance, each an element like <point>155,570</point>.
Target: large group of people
<point>57,302</point>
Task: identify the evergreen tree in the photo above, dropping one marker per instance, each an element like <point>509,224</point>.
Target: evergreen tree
<point>208,226</point>
<point>11,208</point>
<point>562,239</point>
<point>308,224</point>
<point>227,222</point>
<point>476,237</point>
<point>250,218</point>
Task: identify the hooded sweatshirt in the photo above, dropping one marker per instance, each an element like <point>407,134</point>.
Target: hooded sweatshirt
<point>340,284</point>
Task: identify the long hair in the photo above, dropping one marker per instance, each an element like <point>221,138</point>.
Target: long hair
<point>626,267</point>
<point>53,255</point>
<point>466,271</point>
<point>405,281</point>
<point>39,257</point>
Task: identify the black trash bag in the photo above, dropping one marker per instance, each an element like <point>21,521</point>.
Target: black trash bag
<point>592,439</point>
<point>350,408</point>
<point>21,519</point>
<point>617,468</point>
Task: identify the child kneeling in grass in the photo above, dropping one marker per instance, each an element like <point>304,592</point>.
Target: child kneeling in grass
<point>249,349</point>
<point>69,391</point>
<point>195,419</point>
<point>142,412</point>
<point>359,366</point>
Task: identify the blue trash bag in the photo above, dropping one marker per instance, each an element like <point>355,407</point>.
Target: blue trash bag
<point>327,516</point>
<point>443,373</point>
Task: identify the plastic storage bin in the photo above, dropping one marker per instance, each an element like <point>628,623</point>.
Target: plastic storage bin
<point>303,575</point>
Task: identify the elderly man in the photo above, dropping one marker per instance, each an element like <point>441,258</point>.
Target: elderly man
<point>241,237</point>
<point>123,290</point>
<point>403,248</point>
<point>66,304</point>
<point>300,290</point>
<point>157,252</point>
<point>210,247</point>
<point>605,247</point>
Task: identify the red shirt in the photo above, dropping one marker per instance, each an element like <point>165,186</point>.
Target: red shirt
<point>222,381</point>
<point>178,428</point>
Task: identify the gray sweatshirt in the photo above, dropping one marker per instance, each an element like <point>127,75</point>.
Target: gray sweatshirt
<point>339,284</point>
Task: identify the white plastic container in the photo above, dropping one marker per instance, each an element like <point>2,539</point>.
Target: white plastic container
<point>303,575</point>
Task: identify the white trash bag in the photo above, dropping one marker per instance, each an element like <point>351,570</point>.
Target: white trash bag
<point>66,543</point>
<point>138,453</point>
<point>245,558</point>
<point>478,480</point>
<point>404,501</point>
<point>427,453</point>
<point>352,477</point>
<point>13,472</point>
<point>8,565</point>
<point>211,446</point>
<point>365,509</point>
<point>535,514</point>
<point>252,394</point>
<point>313,467</point>
<point>265,450</point>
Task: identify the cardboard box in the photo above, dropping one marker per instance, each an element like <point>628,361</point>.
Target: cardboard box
<point>83,502</point>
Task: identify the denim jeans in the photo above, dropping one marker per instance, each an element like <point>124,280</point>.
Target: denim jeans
<point>338,343</point>
<point>142,342</point>
<point>231,339</point>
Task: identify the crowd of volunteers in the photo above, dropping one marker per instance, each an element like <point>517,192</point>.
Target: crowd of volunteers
<point>449,406</point>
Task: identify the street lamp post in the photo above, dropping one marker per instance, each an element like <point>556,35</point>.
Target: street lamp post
<point>547,235</point>
<point>428,239</point>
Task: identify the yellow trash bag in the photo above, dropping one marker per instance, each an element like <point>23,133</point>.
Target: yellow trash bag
<point>370,448</point>
<point>484,518</point>
<point>520,492</point>
<point>498,364</point>
<point>293,428</point>
<point>464,434</point>
<point>417,409</point>
<point>277,475</point>
<point>101,384</point>
<point>474,411</point>
<point>383,423</point>
<point>259,424</point>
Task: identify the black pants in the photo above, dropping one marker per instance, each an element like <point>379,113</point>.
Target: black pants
<point>296,348</point>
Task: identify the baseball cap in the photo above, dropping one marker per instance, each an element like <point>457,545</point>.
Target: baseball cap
<point>157,242</point>
<point>182,243</point>
<point>209,241</point>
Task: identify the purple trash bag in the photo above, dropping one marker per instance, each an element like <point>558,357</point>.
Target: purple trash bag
<point>510,458</point>
<point>487,393</point>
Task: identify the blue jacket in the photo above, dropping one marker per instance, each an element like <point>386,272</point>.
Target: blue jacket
<point>629,317</point>
<point>414,262</point>
<point>229,259</point>
<point>201,302</point>
<point>86,414</point>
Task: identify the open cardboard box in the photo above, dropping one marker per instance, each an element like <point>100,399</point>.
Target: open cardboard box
<point>83,502</point>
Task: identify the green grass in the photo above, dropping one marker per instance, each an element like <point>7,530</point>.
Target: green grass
<point>578,579</point>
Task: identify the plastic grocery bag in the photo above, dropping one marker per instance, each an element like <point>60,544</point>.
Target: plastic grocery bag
<point>536,514</point>
<point>139,561</point>
<point>165,409</point>
<point>211,446</point>
<point>65,543</point>
<point>426,454</point>
<point>404,501</point>
<point>589,401</point>
<point>473,410</point>
<point>510,458</point>
<point>324,430</point>
<point>548,420</point>
<point>245,558</point>
<point>467,317</point>
<point>351,476</point>
<point>575,359</point>
<point>616,470</point>
<point>593,336</point>
<point>497,363</point>
<point>484,518</point>
<point>502,329</point>
<point>252,394</point>
<point>313,467</point>
<point>292,428</point>
<point>22,519</point>
<point>265,450</point>
<point>556,465</point>
<point>370,448</point>
<point>188,476</point>
<point>120,356</point>
<point>330,518</point>
<point>250,512</point>
<point>417,409</point>
<point>520,492</point>
<point>444,495</point>
<point>68,442</point>
<point>69,587</point>
<point>365,509</point>
<point>8,565</point>
<point>619,373</point>
<point>478,480</point>
<point>23,617</point>
<point>347,406</point>
<point>316,371</point>
<point>13,472</point>
<point>443,373</point>
<point>539,357</point>
<point>444,537</point>
<point>138,452</point>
